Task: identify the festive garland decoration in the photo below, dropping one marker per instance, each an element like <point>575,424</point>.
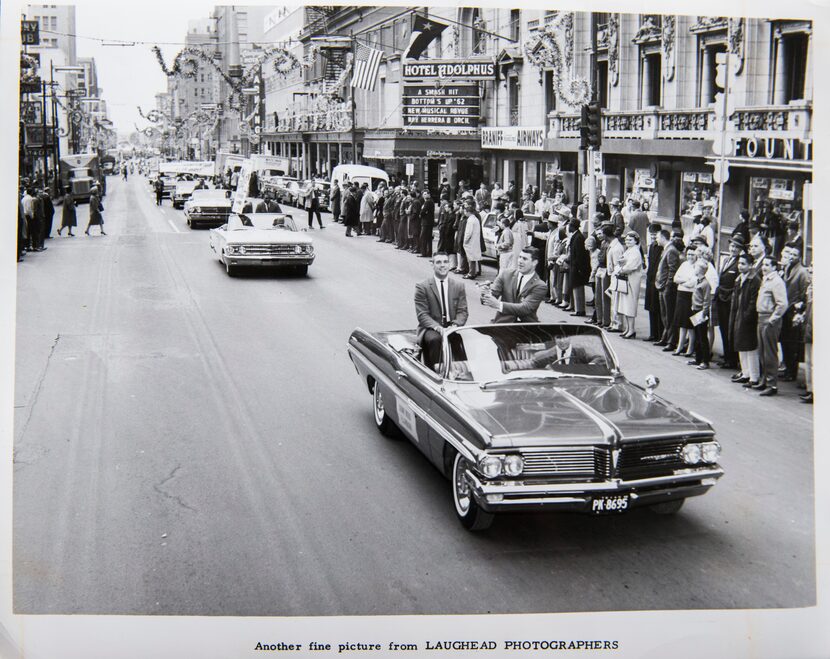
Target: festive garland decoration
<point>545,51</point>
<point>185,58</point>
<point>29,67</point>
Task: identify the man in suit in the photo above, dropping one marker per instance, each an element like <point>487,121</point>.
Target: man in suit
<point>638,220</point>
<point>579,268</point>
<point>797,279</point>
<point>440,304</point>
<point>723,299</point>
<point>427,225</point>
<point>517,294</point>
<point>666,288</point>
<point>652,304</point>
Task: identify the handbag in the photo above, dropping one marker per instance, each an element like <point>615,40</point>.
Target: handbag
<point>619,284</point>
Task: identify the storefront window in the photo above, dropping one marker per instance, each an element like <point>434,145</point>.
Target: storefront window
<point>698,192</point>
<point>785,194</point>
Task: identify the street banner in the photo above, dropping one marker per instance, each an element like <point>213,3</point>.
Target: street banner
<point>242,186</point>
<point>450,106</point>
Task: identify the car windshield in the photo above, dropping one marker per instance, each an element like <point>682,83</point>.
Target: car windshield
<point>268,221</point>
<point>208,196</point>
<point>507,352</point>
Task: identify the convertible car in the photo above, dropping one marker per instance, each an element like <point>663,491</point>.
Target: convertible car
<point>262,240</point>
<point>536,416</point>
<point>207,207</point>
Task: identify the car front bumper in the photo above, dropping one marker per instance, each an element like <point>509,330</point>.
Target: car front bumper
<point>501,496</point>
<point>266,261</point>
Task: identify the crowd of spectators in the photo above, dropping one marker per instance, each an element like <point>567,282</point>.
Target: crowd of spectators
<point>758,296</point>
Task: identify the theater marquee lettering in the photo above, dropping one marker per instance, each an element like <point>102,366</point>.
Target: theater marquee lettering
<point>513,137</point>
<point>773,148</point>
<point>449,69</point>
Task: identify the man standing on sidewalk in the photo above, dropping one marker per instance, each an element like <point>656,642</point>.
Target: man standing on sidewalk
<point>666,288</point>
<point>723,299</point>
<point>652,302</point>
<point>796,279</point>
<point>771,305</point>
<point>427,225</point>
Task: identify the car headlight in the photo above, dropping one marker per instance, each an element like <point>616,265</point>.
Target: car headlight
<point>308,249</point>
<point>230,249</point>
<point>298,249</point>
<point>513,465</point>
<point>195,209</point>
<point>490,466</point>
<point>241,249</point>
<point>692,454</point>
<point>710,452</point>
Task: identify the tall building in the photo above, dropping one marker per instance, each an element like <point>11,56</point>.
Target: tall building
<point>57,28</point>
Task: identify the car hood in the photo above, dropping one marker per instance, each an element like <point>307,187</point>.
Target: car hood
<point>188,187</point>
<point>250,236</point>
<point>573,411</point>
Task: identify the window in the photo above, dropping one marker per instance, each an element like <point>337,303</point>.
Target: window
<point>513,96</point>
<point>550,92</point>
<point>708,69</point>
<point>651,77</point>
<point>790,67</point>
<point>515,24</point>
<point>602,83</point>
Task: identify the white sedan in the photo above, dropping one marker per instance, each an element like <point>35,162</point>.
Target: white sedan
<point>258,240</point>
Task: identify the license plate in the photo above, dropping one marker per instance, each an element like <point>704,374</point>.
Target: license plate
<point>609,505</point>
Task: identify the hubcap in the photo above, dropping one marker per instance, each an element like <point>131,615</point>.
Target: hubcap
<point>461,491</point>
<point>379,413</point>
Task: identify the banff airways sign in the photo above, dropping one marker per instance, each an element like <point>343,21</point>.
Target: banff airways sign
<point>513,137</point>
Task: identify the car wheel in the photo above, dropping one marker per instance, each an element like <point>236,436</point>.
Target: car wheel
<point>471,516</point>
<point>230,269</point>
<point>667,507</point>
<point>301,269</point>
<point>386,426</point>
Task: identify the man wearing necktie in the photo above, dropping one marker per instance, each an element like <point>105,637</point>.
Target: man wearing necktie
<point>517,294</point>
<point>440,304</point>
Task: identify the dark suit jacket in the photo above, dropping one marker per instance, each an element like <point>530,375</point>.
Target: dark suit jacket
<point>428,214</point>
<point>666,269</point>
<point>579,263</point>
<point>655,253</point>
<point>523,309</point>
<point>428,305</point>
<point>726,280</point>
<point>743,316</point>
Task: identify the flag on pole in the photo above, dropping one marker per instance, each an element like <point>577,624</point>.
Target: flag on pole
<point>366,65</point>
<point>424,31</point>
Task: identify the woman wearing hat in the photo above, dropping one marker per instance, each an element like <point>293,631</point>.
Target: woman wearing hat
<point>631,268</point>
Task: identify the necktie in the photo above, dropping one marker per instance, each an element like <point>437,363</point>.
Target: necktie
<point>445,316</point>
<point>518,286</point>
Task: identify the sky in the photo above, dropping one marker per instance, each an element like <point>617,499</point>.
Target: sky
<point>131,76</point>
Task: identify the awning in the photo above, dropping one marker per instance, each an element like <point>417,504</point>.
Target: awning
<point>422,147</point>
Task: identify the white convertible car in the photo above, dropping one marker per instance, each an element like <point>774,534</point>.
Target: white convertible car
<point>262,240</point>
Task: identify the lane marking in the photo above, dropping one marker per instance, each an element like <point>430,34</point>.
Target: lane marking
<point>173,226</point>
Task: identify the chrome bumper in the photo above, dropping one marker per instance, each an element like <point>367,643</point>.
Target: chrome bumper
<point>502,495</point>
<point>267,260</point>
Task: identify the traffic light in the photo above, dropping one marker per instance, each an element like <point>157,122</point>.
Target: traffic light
<point>583,129</point>
<point>593,121</point>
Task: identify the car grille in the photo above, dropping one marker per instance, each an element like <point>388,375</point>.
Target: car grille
<point>208,210</point>
<point>650,459</point>
<point>590,462</point>
<point>269,250</point>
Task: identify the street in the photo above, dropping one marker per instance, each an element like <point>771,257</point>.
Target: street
<point>192,444</point>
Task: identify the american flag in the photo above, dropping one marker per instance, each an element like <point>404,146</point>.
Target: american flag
<point>366,65</point>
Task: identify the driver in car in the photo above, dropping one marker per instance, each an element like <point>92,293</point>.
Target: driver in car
<point>562,352</point>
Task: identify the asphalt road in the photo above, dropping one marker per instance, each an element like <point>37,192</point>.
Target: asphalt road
<point>191,444</point>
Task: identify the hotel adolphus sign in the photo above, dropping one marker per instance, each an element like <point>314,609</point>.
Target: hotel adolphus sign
<point>441,106</point>
<point>450,70</point>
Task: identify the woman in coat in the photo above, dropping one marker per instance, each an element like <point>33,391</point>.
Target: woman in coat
<point>472,243</point>
<point>460,226</point>
<point>69,217</point>
<point>95,208</point>
<point>351,210</point>
<point>504,243</point>
<point>632,268</point>
<point>367,212</point>
<point>446,231</point>
<point>520,230</point>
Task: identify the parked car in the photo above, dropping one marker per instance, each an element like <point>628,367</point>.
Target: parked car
<point>488,232</point>
<point>536,416</point>
<point>286,189</point>
<point>259,240</point>
<point>324,192</point>
<point>208,207</point>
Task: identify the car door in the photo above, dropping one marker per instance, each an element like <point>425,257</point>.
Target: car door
<point>488,230</point>
<point>416,383</point>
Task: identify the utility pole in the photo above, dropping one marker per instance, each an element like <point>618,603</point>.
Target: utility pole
<point>592,180</point>
<point>352,104</point>
<point>43,128</point>
<point>55,140</point>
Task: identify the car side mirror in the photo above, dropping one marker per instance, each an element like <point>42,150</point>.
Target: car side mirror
<point>652,382</point>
